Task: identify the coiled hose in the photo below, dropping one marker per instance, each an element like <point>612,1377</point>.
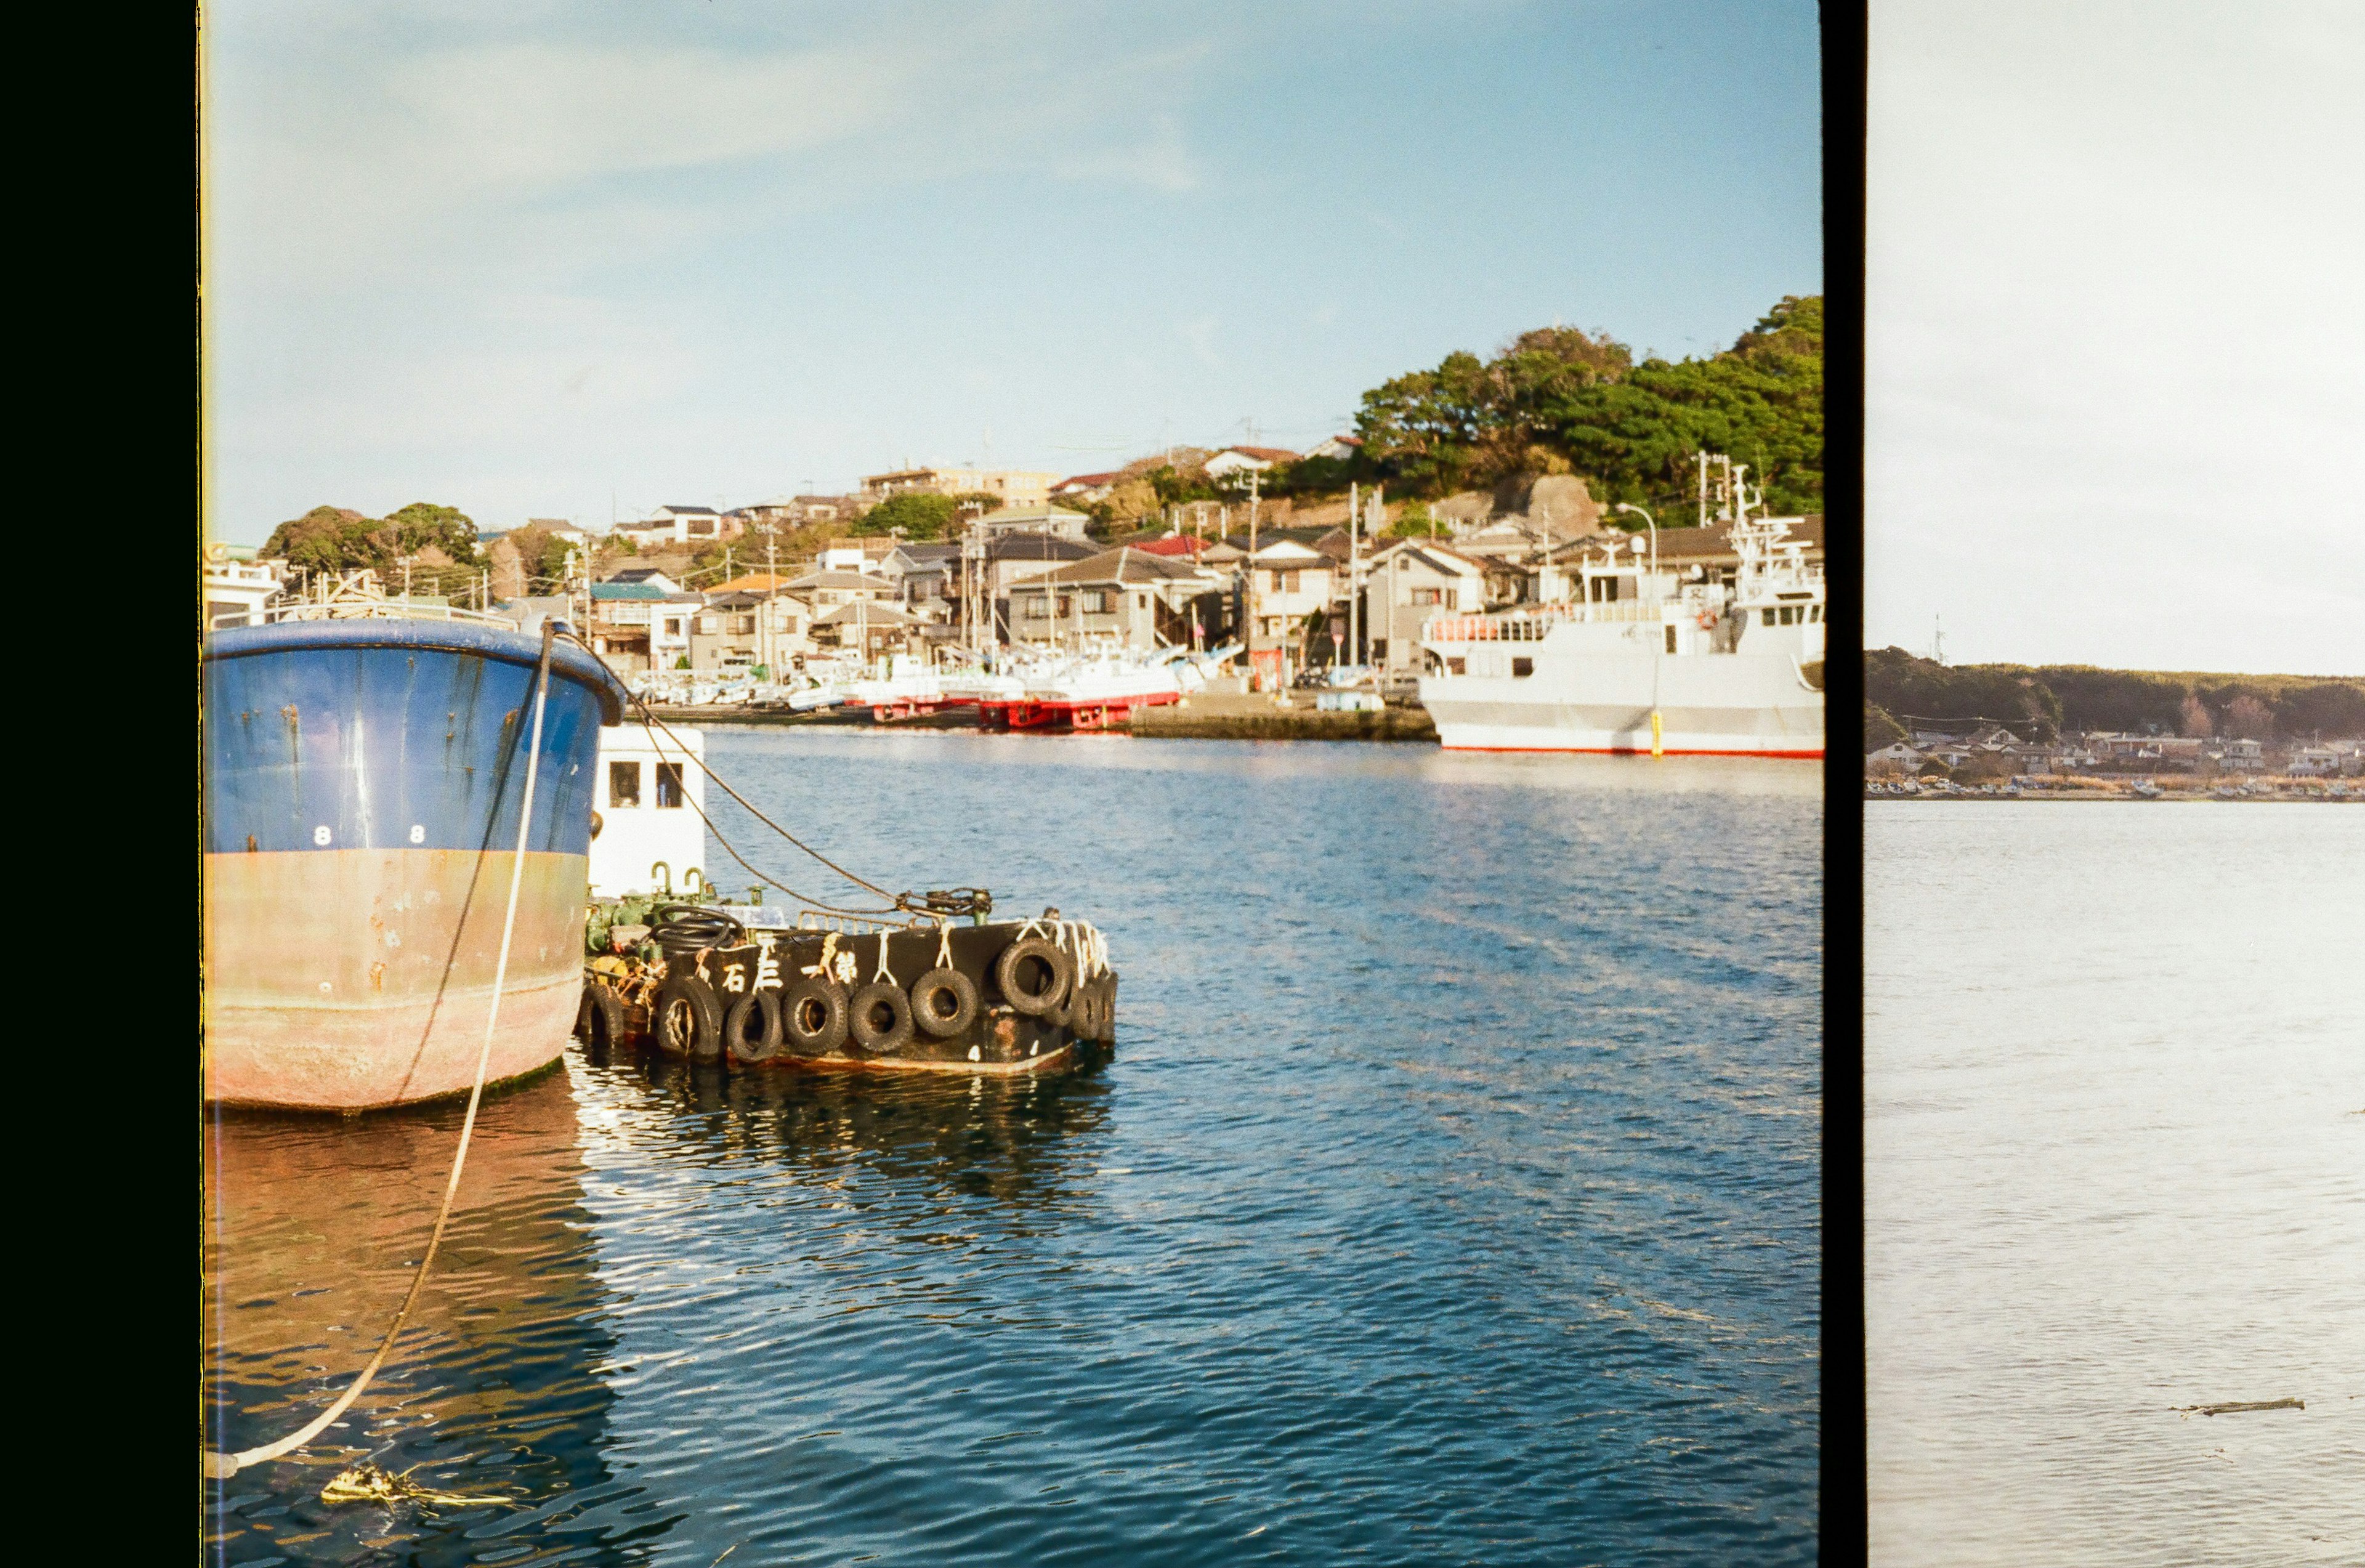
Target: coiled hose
<point>681,929</point>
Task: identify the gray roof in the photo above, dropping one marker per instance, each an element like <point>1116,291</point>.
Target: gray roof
<point>1039,547</point>
<point>1121,566</point>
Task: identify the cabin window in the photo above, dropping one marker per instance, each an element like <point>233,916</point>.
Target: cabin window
<point>1815,612</point>
<point>1524,667</point>
<point>1671,639</point>
<point>1768,616</point>
<point>623,784</point>
<point>1457,667</point>
<point>1379,648</point>
<point>669,785</point>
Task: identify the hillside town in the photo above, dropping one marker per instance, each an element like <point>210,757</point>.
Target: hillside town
<point>1190,549</point>
<point>1990,759</point>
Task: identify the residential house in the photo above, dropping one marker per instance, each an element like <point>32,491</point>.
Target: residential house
<point>1288,583</point>
<point>749,628</point>
<point>1896,756</point>
<point>856,554</point>
<point>681,524</point>
<point>2240,757</point>
<point>926,577</point>
<point>2158,753</point>
<point>868,628</point>
<point>641,626</point>
<point>1021,488</point>
<point>1044,520</point>
<point>1404,583</point>
<point>1086,487</point>
<point>1337,446</point>
<point>1230,461</point>
<point>2313,761</point>
<point>1129,596</point>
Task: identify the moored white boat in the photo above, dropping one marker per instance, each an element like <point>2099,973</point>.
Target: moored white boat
<point>1640,661</point>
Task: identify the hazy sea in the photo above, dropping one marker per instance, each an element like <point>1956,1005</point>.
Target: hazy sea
<point>2114,1164</point>
<point>1452,1197</point>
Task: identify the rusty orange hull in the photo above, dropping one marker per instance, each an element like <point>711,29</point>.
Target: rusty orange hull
<point>359,979</point>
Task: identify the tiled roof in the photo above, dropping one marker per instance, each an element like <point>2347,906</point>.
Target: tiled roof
<point>613,590</point>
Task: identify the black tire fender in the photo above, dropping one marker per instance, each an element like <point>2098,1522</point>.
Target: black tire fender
<point>812,1017</point>
<point>686,1019</point>
<point>1011,971</point>
<point>1108,1007</point>
<point>600,1023</point>
<point>930,996</point>
<point>751,1030</point>
<point>863,1018</point>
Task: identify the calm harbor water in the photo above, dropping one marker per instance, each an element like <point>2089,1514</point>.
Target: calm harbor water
<point>2114,1164</point>
<point>1452,1197</point>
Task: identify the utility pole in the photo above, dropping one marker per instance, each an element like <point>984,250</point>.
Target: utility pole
<point>1355,655</point>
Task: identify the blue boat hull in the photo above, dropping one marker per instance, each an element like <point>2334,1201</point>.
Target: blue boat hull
<point>363,783</point>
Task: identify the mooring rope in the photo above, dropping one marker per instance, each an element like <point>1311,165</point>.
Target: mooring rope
<point>221,1466</point>
<point>651,723</point>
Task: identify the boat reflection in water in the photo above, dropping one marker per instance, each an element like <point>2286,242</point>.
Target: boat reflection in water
<point>497,1384</point>
<point>557,1350</point>
<point>1013,1139</point>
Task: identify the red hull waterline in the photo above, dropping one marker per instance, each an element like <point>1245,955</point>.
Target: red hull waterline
<point>1029,714</point>
<point>359,980</point>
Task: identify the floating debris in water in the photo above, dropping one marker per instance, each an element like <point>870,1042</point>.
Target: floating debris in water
<point>366,1483</point>
<point>2239,1405</point>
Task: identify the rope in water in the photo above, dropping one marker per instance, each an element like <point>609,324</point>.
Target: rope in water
<point>221,1466</point>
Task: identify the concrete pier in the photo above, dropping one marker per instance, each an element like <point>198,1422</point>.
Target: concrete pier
<point>1257,717</point>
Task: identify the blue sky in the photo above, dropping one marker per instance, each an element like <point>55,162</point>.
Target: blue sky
<point>525,262</point>
<point>2112,333</point>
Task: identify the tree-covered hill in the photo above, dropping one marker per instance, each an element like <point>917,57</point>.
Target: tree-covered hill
<point>2049,700</point>
<point>1560,400</point>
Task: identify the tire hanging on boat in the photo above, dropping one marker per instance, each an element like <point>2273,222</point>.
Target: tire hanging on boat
<point>687,1018</point>
<point>1017,973</point>
<point>812,1017</point>
<point>944,1002</point>
<point>600,1022</point>
<point>880,1017</point>
<point>751,1030</point>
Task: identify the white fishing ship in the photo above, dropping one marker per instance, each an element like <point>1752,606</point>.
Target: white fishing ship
<point>1638,660</point>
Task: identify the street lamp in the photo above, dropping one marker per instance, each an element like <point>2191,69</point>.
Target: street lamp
<point>1654,527</point>
<point>1657,651</point>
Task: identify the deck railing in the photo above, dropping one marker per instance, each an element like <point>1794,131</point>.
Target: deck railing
<point>359,610</point>
<point>1534,622</point>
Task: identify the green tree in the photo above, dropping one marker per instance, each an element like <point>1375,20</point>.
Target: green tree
<point>921,514</point>
<point>423,524</point>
